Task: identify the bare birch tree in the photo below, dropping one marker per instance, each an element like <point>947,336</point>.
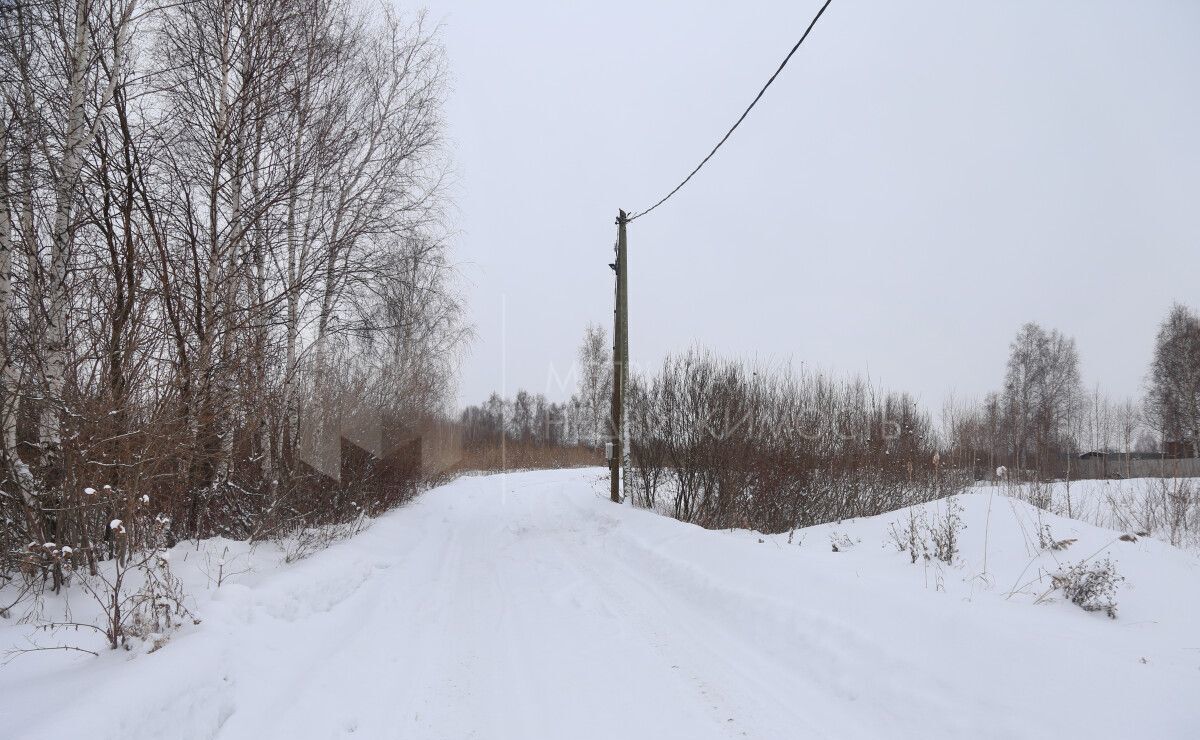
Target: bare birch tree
<point>1173,393</point>
<point>197,200</point>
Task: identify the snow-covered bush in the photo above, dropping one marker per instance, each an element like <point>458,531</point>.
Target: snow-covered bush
<point>218,570</point>
<point>303,541</point>
<point>841,542</point>
<point>157,608</point>
<point>911,538</point>
<point>922,537</point>
<point>137,595</point>
<point>1171,507</point>
<point>1037,493</point>
<point>1092,586</point>
<point>944,530</point>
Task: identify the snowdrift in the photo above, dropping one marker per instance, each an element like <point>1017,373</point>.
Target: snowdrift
<point>528,606</point>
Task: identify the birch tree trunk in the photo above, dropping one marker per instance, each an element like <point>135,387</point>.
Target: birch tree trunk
<point>81,59</point>
<point>55,358</point>
<point>8,379</point>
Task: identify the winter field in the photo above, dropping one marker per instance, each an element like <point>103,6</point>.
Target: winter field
<point>528,606</point>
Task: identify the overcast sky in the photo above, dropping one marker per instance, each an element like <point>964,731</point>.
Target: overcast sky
<point>922,179</point>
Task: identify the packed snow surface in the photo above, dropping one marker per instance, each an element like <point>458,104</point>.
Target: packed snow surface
<point>529,606</point>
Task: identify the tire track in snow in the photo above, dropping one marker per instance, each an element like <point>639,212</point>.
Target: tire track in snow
<point>759,630</point>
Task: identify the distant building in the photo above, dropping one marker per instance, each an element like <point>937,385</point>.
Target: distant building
<point>1097,455</point>
<point>1184,447</point>
<point>1107,464</point>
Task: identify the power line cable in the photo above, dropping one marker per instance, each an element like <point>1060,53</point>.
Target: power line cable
<point>745,113</point>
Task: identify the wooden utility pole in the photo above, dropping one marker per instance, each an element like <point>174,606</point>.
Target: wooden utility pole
<point>619,440</point>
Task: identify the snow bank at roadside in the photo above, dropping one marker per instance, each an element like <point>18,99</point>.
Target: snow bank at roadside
<point>1008,551</point>
<point>528,606</point>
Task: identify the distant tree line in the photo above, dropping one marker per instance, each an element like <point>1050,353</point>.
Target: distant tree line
<point>523,419</point>
<point>722,443</point>
<point>529,419</point>
<point>1043,418</point>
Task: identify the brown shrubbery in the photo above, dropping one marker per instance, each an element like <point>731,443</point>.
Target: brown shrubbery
<point>518,456</point>
<point>722,444</point>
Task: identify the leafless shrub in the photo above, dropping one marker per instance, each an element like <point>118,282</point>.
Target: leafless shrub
<point>1038,493</point>
<point>925,538</point>
<point>841,542</point>
<point>1166,507</point>
<point>137,594</point>
<point>139,597</point>
<point>304,541</point>
<point>221,568</point>
<point>944,532</point>
<point>1180,506</point>
<point>912,537</point>
<point>1092,586</point>
<point>1047,540</point>
<point>158,607</point>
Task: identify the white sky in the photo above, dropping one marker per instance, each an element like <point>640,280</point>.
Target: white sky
<point>923,178</point>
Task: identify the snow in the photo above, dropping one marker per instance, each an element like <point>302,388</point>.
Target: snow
<point>528,606</point>
<point>1166,508</point>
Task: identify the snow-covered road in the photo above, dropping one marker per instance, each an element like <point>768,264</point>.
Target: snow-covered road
<point>528,606</point>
